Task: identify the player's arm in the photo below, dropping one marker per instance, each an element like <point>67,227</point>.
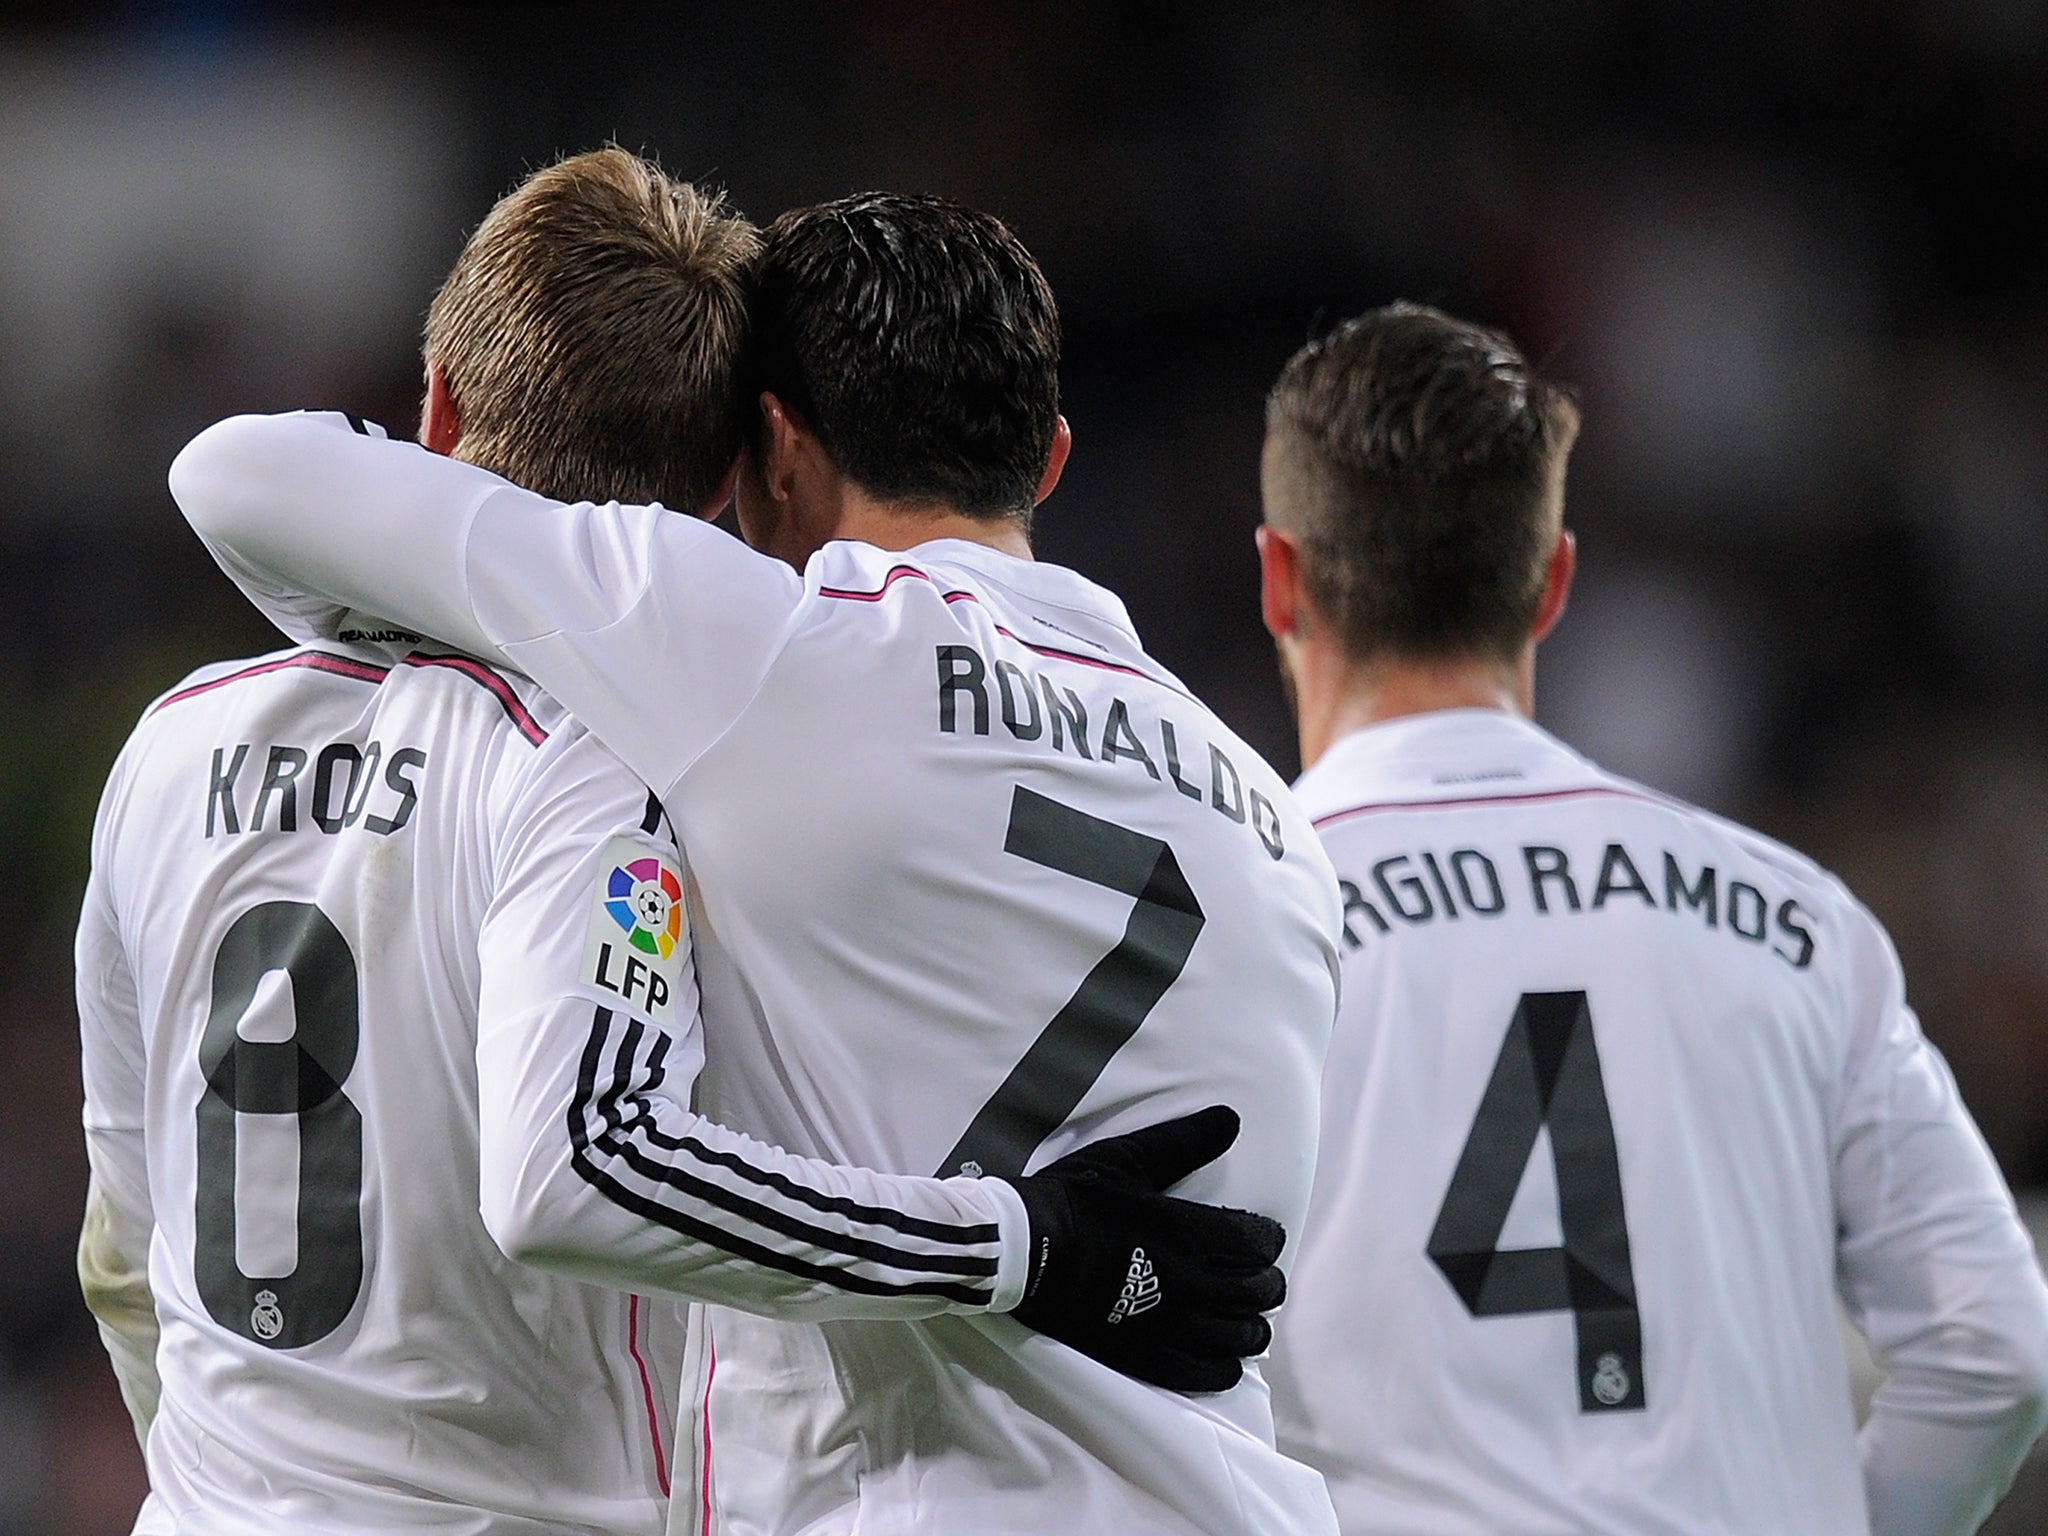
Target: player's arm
<point>652,627</point>
<point>594,1165</point>
<point>1937,1271</point>
<point>113,1244</point>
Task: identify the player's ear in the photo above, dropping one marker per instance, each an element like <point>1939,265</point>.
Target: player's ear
<point>440,422</point>
<point>1056,460</point>
<point>1557,584</point>
<point>720,493</point>
<point>1279,582</point>
<point>782,434</point>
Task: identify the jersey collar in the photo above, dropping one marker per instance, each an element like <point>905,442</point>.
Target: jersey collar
<point>375,634</point>
<point>1444,754</point>
<point>1037,580</point>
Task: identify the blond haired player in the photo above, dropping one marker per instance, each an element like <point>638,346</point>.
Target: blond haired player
<point>988,880</point>
<point>1622,1094</point>
<point>385,983</point>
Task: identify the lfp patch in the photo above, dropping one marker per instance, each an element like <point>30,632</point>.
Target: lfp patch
<point>646,901</point>
<point>635,947</point>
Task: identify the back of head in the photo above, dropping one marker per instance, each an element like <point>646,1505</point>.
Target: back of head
<point>919,341</point>
<point>1418,464</point>
<point>591,330</point>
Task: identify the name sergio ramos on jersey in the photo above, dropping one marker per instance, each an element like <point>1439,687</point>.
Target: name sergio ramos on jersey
<point>1429,884</point>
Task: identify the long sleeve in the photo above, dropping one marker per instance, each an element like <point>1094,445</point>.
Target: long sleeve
<point>1938,1272</point>
<point>652,627</point>
<point>654,630</point>
<point>113,1244</point>
<point>593,1163</point>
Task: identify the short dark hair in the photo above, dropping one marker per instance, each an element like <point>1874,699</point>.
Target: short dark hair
<point>919,341</point>
<point>590,333</point>
<point>1417,461</point>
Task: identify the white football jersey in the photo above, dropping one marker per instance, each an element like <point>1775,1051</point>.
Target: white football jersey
<point>313,875</point>
<point>1620,1093</point>
<point>978,882</point>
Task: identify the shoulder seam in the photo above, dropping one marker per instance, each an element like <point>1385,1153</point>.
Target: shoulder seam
<point>316,661</point>
<point>484,677</point>
<point>492,683</point>
<point>952,595</point>
<point>1537,797</point>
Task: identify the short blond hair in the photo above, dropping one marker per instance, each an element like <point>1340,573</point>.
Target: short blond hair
<point>590,331</point>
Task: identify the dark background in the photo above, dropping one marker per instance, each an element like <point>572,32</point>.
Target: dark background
<point>1786,249</point>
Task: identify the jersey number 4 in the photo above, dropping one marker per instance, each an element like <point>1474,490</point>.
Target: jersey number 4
<point>301,1076</point>
<point>1548,1074</point>
<point>1072,1051</point>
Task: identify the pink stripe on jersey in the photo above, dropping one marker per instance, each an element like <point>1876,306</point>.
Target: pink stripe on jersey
<point>897,573</point>
<point>1075,656</point>
<point>646,1392</point>
<point>370,672</point>
<point>1590,790</point>
<point>704,1417</point>
<point>316,661</point>
<point>493,684</point>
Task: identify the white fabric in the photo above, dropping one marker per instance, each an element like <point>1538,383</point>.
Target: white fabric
<point>113,1277</point>
<point>469,859</point>
<point>874,963</point>
<point>1780,1125</point>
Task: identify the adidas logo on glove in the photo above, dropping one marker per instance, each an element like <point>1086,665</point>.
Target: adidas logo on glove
<point>1141,1289</point>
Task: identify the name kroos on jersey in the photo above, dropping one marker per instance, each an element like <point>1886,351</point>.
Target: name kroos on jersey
<point>1421,886</point>
<point>973,691</point>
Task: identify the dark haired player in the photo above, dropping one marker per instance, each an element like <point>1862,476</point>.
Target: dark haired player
<point>1621,1093</point>
<point>921,778</point>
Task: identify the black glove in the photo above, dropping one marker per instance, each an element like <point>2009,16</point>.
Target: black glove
<point>1166,1290</point>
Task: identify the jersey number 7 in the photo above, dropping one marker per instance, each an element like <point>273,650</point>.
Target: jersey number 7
<point>1548,1073</point>
<point>1072,1051</point>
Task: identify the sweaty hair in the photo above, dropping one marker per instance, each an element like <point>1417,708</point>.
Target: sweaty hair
<point>1418,464</point>
<point>919,341</point>
<point>591,331</point>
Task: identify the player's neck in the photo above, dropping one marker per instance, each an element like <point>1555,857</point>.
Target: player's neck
<point>898,525</point>
<point>1335,696</point>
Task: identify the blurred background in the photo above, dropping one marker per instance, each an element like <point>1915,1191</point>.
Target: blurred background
<point>1787,250</point>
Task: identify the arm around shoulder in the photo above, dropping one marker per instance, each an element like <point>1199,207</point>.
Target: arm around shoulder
<point>653,627</point>
<point>312,513</point>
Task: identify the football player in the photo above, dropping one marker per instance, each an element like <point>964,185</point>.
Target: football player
<point>1623,1094</point>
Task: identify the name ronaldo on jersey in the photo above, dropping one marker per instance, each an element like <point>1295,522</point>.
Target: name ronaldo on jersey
<point>973,689</point>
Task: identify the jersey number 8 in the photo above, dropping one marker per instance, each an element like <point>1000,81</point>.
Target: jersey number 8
<point>301,1076</point>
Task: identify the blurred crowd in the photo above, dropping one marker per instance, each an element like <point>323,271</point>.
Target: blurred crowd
<point>1783,250</point>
